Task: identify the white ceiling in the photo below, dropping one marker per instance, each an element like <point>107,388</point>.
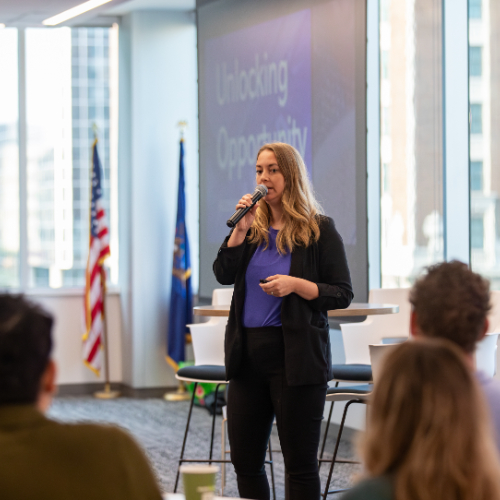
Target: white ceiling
<point>32,12</point>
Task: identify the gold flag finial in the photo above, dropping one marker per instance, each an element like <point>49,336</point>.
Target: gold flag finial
<point>182,126</point>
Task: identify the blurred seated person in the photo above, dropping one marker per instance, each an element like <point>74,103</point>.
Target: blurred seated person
<point>47,460</point>
<point>428,433</point>
<point>452,302</point>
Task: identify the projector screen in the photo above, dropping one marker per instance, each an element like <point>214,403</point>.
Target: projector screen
<point>288,71</point>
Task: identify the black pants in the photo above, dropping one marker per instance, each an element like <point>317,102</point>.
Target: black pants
<point>254,398</point>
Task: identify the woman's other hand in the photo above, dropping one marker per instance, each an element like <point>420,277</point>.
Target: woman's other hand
<point>281,285</point>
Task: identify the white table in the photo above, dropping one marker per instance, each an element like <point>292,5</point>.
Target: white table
<point>355,309</point>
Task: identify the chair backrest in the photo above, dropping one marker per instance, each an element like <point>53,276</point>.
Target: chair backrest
<point>397,325</point>
<point>377,354</point>
<point>208,343</point>
<point>208,337</point>
<point>486,354</point>
<point>222,296</point>
<point>358,336</point>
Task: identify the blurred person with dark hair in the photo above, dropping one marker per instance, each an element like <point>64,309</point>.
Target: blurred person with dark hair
<point>428,431</point>
<point>452,302</point>
<point>48,460</point>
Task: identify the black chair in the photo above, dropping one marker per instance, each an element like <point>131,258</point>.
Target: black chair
<point>345,373</point>
<point>208,349</point>
<point>215,374</point>
<point>352,394</point>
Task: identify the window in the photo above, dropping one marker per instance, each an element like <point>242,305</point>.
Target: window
<point>59,137</point>
<point>475,9</point>
<point>484,95</point>
<point>476,119</point>
<point>475,61</point>
<point>476,175</point>
<point>9,160</point>
<point>411,138</point>
<point>477,232</point>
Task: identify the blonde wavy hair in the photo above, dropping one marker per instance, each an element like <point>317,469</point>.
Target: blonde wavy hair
<point>428,426</point>
<point>300,207</point>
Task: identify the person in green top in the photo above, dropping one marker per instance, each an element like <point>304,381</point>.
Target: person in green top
<point>428,434</point>
<point>45,460</point>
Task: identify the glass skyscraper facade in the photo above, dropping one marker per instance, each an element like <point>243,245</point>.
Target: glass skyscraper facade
<point>411,125</point>
<point>484,99</point>
<point>90,89</point>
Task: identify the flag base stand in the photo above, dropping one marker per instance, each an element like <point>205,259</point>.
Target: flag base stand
<point>179,395</point>
<point>107,393</point>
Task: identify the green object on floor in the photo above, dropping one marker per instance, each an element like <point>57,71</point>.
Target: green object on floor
<point>203,389</point>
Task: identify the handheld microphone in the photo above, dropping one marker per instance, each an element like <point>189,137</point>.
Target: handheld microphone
<point>260,192</point>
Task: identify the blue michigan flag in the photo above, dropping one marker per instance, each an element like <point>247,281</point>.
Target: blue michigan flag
<point>181,297</point>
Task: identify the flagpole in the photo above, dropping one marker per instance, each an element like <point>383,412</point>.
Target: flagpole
<point>107,393</point>
<point>180,394</point>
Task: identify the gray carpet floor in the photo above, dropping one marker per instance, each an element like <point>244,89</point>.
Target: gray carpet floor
<point>158,426</point>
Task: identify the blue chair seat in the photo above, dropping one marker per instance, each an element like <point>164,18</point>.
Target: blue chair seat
<point>203,372</point>
<point>353,372</point>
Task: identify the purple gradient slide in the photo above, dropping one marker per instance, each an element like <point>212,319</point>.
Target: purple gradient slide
<point>258,90</point>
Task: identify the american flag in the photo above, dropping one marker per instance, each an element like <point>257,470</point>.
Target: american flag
<point>95,282</point>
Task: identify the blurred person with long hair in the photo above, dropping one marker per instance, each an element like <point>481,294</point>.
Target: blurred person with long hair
<point>277,344</point>
<point>428,434</point>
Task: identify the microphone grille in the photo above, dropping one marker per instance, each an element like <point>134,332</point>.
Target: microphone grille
<point>261,189</point>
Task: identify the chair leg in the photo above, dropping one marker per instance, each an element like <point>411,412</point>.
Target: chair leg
<point>325,434</point>
<point>271,464</point>
<point>223,457</point>
<point>213,425</point>
<point>185,437</point>
<point>339,436</point>
<point>326,430</point>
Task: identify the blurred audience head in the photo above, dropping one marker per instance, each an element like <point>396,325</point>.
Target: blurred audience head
<point>26,371</point>
<point>450,301</point>
<point>428,427</point>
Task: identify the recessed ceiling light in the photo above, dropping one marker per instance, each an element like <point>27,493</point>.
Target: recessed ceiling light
<point>75,11</point>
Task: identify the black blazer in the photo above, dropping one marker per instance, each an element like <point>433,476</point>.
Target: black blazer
<point>308,358</point>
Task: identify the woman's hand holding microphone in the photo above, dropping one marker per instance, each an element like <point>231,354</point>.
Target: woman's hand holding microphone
<point>240,230</point>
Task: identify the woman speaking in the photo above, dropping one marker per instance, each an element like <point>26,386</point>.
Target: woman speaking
<point>288,267</point>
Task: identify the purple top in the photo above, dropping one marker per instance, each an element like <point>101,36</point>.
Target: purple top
<point>491,389</point>
<point>261,309</point>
